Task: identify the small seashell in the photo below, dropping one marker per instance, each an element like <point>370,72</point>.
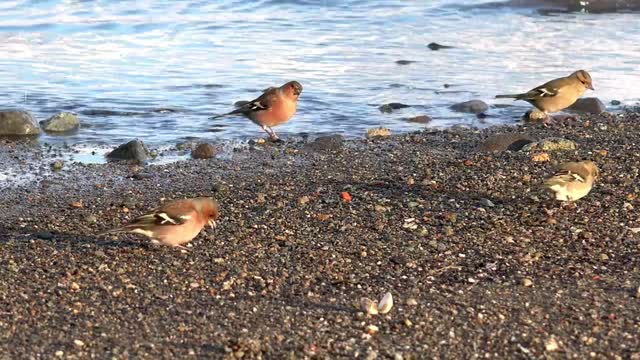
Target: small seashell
<point>369,306</point>
<point>385,305</point>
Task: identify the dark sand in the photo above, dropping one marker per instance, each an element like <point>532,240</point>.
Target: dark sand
<point>282,274</point>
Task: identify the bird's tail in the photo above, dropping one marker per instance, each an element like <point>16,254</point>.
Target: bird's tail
<point>234,112</point>
<point>509,96</point>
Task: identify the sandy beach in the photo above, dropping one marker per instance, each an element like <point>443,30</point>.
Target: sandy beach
<point>480,262</point>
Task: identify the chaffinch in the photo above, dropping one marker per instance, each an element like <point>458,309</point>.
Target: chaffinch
<point>573,180</point>
<point>557,94</point>
<point>174,223</point>
<point>274,107</point>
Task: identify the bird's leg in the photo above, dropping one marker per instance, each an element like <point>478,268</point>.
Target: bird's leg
<point>181,248</point>
<point>269,131</point>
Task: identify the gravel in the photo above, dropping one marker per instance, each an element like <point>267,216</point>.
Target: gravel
<point>283,274</point>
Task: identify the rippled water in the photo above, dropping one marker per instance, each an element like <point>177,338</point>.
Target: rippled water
<point>157,69</point>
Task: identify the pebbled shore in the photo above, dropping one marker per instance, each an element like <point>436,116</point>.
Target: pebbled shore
<point>461,238</point>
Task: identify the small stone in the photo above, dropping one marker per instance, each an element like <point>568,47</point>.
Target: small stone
<point>486,202</point>
<point>303,200</point>
<point>57,165</point>
<point>615,102</point>
<point>372,329</point>
<point>604,257</point>
<point>534,115</point>
<point>76,204</point>
<point>91,219</point>
<point>471,106</point>
<point>75,286</point>
<point>59,353</point>
<point>78,343</point>
<point>551,344</point>
<point>412,302</point>
<point>204,151</point>
<point>526,282</point>
<point>540,157</point>
<point>378,132</point>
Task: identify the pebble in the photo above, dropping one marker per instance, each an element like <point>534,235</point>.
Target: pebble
<point>551,344</point>
<point>412,301</point>
<point>526,282</point>
<point>378,132</point>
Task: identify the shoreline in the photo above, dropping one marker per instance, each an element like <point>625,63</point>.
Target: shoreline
<point>462,233</point>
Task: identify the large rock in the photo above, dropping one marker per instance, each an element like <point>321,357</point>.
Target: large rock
<point>327,143</point>
<point>502,142</point>
<point>18,122</point>
<point>61,122</point>
<point>590,105</point>
<point>133,150</point>
<point>471,106</point>
<point>204,151</point>
<point>390,107</point>
<point>551,144</point>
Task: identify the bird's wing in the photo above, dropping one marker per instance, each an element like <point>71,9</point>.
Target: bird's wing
<point>565,176</point>
<point>263,102</point>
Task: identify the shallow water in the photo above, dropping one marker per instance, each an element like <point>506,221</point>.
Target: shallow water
<point>157,69</point>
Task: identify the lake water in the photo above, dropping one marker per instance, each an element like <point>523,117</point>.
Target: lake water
<point>157,70</point>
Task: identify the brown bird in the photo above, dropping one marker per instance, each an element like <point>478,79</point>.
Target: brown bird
<point>557,94</point>
<point>175,223</point>
<point>274,107</point>
<point>573,180</point>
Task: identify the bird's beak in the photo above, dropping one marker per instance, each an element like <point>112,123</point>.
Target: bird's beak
<point>212,223</point>
<point>591,87</point>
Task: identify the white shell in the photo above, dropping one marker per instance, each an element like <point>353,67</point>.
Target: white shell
<point>369,306</point>
<point>385,305</point>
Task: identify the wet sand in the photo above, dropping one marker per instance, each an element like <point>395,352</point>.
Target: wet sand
<point>480,262</point>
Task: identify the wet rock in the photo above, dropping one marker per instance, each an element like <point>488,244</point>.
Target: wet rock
<point>551,144</point>
<point>18,122</point>
<point>388,108</point>
<point>404,62</point>
<point>133,150</point>
<point>603,6</point>
<point>590,105</point>
<point>534,115</point>
<point>204,151</point>
<point>378,132</point>
<point>61,122</point>
<point>326,143</point>
<point>615,102</point>
<point>435,46</point>
<point>471,106</point>
<point>420,119</point>
<point>503,142</point>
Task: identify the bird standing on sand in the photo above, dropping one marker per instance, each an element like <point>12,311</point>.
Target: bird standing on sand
<point>557,94</point>
<point>573,181</point>
<point>274,107</point>
<point>175,223</point>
